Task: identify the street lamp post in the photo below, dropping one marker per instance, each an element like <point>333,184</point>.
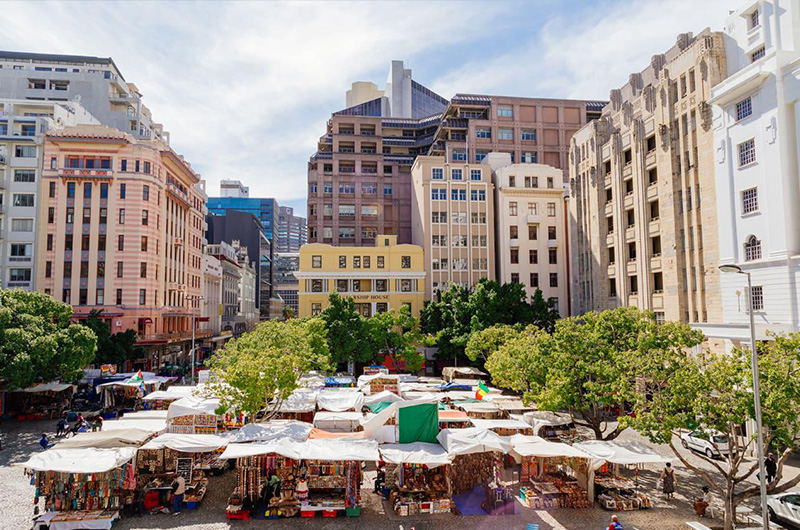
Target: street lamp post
<point>762,478</point>
<point>194,325</point>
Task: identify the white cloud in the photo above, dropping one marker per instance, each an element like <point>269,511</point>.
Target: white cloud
<point>587,52</point>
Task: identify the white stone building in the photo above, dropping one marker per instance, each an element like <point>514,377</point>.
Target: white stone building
<point>756,115</point>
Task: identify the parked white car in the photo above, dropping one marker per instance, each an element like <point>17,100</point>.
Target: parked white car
<point>785,508</point>
<point>711,443</point>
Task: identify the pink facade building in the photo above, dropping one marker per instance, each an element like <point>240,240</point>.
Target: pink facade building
<point>122,232</point>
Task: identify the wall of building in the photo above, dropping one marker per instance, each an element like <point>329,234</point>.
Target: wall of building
<point>379,278</point>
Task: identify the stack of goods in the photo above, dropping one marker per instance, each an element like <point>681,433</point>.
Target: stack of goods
<point>209,461</point>
<point>194,424</point>
<point>195,491</point>
<point>79,516</point>
<point>423,491</point>
<point>573,496</point>
<point>352,494</point>
<point>619,493</point>
<point>326,475</point>
<point>79,491</point>
<point>391,476</point>
<point>235,508</point>
<point>254,471</point>
<point>156,461</point>
<point>472,469</point>
<point>380,384</point>
<point>234,421</point>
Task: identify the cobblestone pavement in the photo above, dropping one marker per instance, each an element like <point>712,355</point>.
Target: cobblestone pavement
<point>16,497</point>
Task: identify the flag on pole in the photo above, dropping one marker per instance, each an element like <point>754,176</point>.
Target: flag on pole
<point>482,391</point>
<point>137,377</point>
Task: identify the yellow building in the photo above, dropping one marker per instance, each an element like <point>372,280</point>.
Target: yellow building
<point>386,276</point>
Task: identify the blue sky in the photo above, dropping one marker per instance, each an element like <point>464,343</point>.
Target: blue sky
<point>245,89</point>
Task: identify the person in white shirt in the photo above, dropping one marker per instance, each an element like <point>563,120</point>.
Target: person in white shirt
<point>178,490</point>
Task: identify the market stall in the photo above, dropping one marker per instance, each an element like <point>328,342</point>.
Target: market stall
<point>107,439</point>
<point>82,485</point>
<point>464,372</point>
<point>422,478</point>
<point>341,380</point>
<point>612,490</point>
<point>483,410</point>
<point>154,421</point>
<point>339,421</point>
<point>555,426</point>
<point>340,400</point>
<point>300,405</point>
<point>126,394</point>
<point>162,399</point>
<point>272,431</point>
<point>552,474</point>
<point>476,469</point>
<point>198,415</point>
<point>454,419</point>
<point>48,400</point>
<point>379,382</point>
<point>190,455</point>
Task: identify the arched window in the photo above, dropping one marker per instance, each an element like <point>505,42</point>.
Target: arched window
<point>752,249</point>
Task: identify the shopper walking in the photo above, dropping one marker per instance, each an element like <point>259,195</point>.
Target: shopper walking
<point>771,467</point>
<point>668,481</point>
<point>178,490</point>
<point>615,524</point>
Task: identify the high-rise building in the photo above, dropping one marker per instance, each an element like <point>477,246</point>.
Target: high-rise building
<point>23,124</point>
<point>212,293</point>
<point>755,150</point>
<point>286,287</point>
<point>238,309</point>
<point>359,180</point>
<point>122,232</point>
<point>530,130</point>
<point>291,230</point>
<point>380,278</point>
<point>246,228</point>
<point>94,82</point>
<point>453,221</point>
<point>531,228</point>
<point>236,197</point>
<point>643,213</point>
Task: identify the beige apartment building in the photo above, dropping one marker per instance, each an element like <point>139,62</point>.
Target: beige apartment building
<point>530,130</point>
<point>452,213</point>
<point>122,232</point>
<point>531,228</point>
<point>643,214</point>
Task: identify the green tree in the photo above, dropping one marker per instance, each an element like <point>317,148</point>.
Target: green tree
<point>714,392</point>
<point>485,342</point>
<point>396,333</point>
<point>113,348</point>
<point>348,332</point>
<point>457,313</point>
<point>258,370</point>
<point>38,341</point>
<point>288,312</point>
<point>585,365</point>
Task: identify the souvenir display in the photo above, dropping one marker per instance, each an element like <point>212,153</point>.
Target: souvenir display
<point>550,483</point>
<point>65,492</point>
<point>469,470</point>
<point>379,384</point>
<point>421,490</point>
<point>193,424</point>
<point>618,493</point>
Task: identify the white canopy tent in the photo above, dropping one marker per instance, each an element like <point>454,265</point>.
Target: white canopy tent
<point>432,455</point>
<point>272,431</point>
<point>108,439</point>
<point>325,449</point>
<point>471,440</point>
<point>49,387</point>
<point>626,453</point>
<point>284,448</point>
<point>514,425</point>
<point>153,426</point>
<point>338,421</point>
<point>536,446</point>
<point>382,397</point>
<point>192,406</point>
<point>87,460</point>
<point>451,372</point>
<point>188,443</point>
<point>340,400</point>
<point>301,400</point>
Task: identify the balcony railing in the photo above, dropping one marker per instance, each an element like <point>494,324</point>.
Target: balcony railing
<point>174,336</point>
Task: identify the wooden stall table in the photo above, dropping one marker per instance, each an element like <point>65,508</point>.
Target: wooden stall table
<point>78,520</point>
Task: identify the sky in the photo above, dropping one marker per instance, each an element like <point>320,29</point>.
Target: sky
<point>245,89</point>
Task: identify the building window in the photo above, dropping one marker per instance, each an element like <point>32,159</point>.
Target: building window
<point>754,19</point>
<point>744,109</point>
<point>26,175</point>
<point>387,189</point>
<point>316,309</point>
<point>347,233</point>
<point>534,279</point>
<point>49,241</point>
<point>505,111</point>
<point>612,287</point>
<point>757,298</point>
<point>121,242</point>
<point>512,181</point>
<point>119,297</point>
<point>551,233</point>
<point>366,262</point>
<point>87,216</point>
<point>551,209</point>
<point>627,157</point>
<point>87,190</point>
<point>356,262</point>
<point>758,54</point>
<point>475,174</point>
<point>658,282</point>
<point>483,132</point>
<point>553,279</point>
<point>143,269</point>
<point>342,262</point>
<point>655,245</point>
<point>512,208</point>
<point>405,262</point>
<point>122,216</point>
<point>22,225</point>
<point>25,151</point>
<point>634,284</point>
<point>552,255</point>
<point>341,286</point>
<point>316,262</point>
<point>533,256</point>
<point>752,249</point>
<point>327,187</point>
<point>145,217</point>
<point>381,286</point>
<point>513,231</point>
<point>514,277</point>
<point>145,192</point>
<point>23,199</point>
<point>528,135</point>
<point>505,134</point>
<point>100,297</point>
<point>459,155</point>
<point>380,262</point>
<point>316,286</point>
<point>750,200</point>
<point>514,256</point>
<point>437,173</point>
<point>632,251</point>
<point>456,174</point>
<point>405,286</point>
<point>528,157</point>
<point>144,243</point>
<point>142,296</point>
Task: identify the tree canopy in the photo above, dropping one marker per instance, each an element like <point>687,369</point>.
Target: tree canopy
<point>38,341</point>
<point>458,312</point>
<point>713,392</point>
<point>113,348</point>
<point>396,333</point>
<point>261,368</point>
<point>348,332</point>
<point>586,365</point>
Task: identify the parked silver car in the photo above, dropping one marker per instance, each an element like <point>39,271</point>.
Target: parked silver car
<point>785,508</point>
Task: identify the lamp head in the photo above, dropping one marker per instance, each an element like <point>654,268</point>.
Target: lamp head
<point>731,268</point>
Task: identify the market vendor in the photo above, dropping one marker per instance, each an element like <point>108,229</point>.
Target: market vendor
<point>380,479</point>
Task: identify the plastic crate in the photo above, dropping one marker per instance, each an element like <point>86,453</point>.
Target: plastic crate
<point>191,505</point>
<point>328,513</point>
<point>243,515</point>
<point>354,511</point>
<point>308,513</point>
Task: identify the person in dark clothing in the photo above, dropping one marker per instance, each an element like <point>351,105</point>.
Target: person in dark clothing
<point>138,505</point>
<point>61,427</point>
<point>771,467</point>
<point>380,480</point>
<point>45,442</point>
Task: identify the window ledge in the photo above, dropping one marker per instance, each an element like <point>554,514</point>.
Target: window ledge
<point>753,163</point>
<point>751,214</point>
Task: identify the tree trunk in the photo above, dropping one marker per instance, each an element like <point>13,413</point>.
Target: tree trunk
<point>730,507</point>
